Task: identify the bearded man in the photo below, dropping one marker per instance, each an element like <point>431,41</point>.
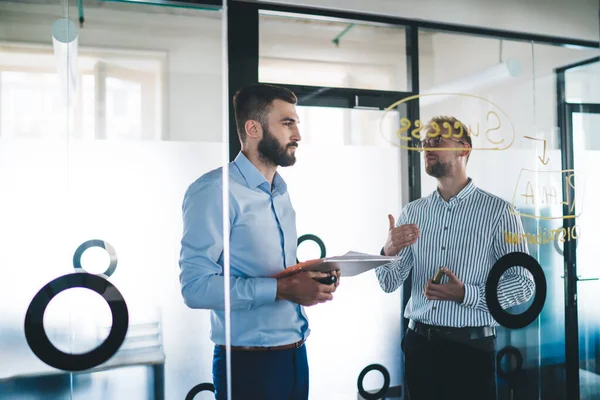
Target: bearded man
<point>457,233</point>
<point>268,324</point>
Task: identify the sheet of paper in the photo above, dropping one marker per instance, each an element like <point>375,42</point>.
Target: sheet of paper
<point>356,255</point>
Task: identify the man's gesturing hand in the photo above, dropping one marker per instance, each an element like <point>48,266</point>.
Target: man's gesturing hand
<point>400,237</point>
<point>301,288</point>
<point>454,290</point>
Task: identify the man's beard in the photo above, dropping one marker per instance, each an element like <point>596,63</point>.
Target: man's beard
<point>437,169</point>
<point>272,152</point>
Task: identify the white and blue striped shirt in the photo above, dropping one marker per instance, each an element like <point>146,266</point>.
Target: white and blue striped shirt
<point>467,235</point>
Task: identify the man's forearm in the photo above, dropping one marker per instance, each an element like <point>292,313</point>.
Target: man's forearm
<point>208,292</point>
<point>392,275</point>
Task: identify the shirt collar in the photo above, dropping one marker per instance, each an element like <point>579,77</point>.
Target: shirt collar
<point>462,195</point>
<point>254,178</point>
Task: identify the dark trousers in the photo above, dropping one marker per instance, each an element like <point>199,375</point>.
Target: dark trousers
<point>262,375</point>
<point>443,369</point>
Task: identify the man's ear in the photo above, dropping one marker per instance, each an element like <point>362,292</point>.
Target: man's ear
<point>253,129</point>
<point>466,151</point>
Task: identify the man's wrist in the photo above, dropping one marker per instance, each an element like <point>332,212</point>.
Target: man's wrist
<point>282,289</point>
<point>461,297</point>
<point>471,295</point>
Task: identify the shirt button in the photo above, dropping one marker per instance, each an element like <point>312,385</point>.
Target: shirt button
<point>433,308</point>
<point>445,228</point>
<point>443,248</point>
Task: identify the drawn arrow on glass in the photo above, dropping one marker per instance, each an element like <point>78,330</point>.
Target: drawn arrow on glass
<point>543,155</point>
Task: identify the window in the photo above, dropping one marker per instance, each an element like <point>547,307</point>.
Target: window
<point>300,50</point>
<point>113,95</point>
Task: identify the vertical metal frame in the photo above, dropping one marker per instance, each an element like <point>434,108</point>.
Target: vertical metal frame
<point>412,69</point>
<point>413,170</point>
<point>569,256</point>
<point>242,50</point>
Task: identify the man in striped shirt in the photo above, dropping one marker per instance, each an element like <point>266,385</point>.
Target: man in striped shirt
<point>450,345</point>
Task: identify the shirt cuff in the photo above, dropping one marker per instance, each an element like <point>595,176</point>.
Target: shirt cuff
<point>471,296</point>
<point>265,291</point>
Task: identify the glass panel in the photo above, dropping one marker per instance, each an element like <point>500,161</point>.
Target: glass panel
<point>586,151</point>
<point>507,99</point>
<point>345,182</point>
<point>552,319</point>
<point>303,50</point>
<point>30,103</point>
<point>581,82</point>
<point>359,184</point>
<point>34,126</point>
<point>99,141</point>
<point>481,213</point>
<point>123,109</point>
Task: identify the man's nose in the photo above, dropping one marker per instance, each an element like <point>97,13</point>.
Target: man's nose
<point>296,136</point>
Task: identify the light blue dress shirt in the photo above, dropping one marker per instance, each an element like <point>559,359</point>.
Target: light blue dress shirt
<point>263,241</point>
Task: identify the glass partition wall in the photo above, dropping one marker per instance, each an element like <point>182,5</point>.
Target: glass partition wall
<point>110,111</point>
<point>347,179</point>
<point>579,109</point>
<point>503,87</point>
<point>508,96</point>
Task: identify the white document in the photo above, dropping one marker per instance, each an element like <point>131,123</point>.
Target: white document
<point>353,263</point>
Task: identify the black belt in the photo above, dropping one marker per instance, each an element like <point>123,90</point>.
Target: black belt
<point>252,348</point>
<point>467,333</point>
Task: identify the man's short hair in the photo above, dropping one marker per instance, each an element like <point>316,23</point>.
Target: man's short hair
<point>253,102</point>
<point>456,125</point>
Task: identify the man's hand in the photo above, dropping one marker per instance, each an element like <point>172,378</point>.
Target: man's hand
<point>454,290</point>
<point>337,273</point>
<point>301,288</point>
<point>400,237</point>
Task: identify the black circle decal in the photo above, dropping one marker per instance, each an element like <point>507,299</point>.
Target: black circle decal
<point>315,239</point>
<point>509,351</point>
<point>38,340</point>
<point>96,243</point>
<point>200,388</point>
<point>386,382</point>
<point>557,238</point>
<point>491,290</point>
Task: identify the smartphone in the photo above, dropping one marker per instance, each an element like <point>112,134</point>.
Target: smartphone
<point>328,280</point>
<point>438,276</point>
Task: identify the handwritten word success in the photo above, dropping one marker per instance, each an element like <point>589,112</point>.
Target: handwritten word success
<point>494,133</point>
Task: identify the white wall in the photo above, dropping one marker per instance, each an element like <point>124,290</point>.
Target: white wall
<point>566,18</point>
